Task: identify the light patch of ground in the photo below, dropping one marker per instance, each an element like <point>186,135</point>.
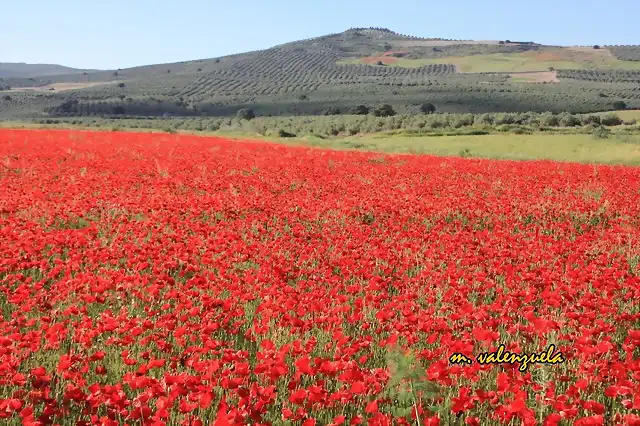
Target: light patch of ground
<point>58,87</point>
<point>435,43</point>
<point>605,53</point>
<point>387,60</point>
<point>534,77</point>
<point>626,114</point>
<point>544,59</point>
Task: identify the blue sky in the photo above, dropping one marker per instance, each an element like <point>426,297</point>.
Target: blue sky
<point>123,33</point>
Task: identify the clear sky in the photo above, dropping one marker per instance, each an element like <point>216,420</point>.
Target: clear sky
<point>122,33</point>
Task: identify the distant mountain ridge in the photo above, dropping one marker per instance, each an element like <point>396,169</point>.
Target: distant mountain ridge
<point>339,73</point>
<point>24,70</point>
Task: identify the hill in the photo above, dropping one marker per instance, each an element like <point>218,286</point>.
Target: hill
<point>22,70</point>
<point>337,72</point>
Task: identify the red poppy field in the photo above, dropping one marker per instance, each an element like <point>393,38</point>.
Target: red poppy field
<point>150,279</point>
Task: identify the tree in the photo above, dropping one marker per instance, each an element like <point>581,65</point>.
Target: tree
<point>427,108</point>
<point>121,85</point>
<point>611,120</point>
<point>596,47</point>
<point>68,107</point>
<point>332,111</point>
<point>284,134</point>
<point>619,105</point>
<point>360,110</point>
<point>245,114</point>
<point>384,110</point>
<point>592,119</point>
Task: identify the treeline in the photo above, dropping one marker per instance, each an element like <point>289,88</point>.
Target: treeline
<point>625,53</point>
<point>362,124</point>
<point>606,76</point>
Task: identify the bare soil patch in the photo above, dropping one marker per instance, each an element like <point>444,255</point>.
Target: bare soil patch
<point>535,77</point>
<point>376,59</point>
<point>434,43</point>
<point>58,87</point>
<point>606,53</point>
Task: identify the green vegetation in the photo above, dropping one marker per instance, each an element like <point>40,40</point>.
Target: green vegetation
<point>589,143</point>
<point>540,59</point>
<point>246,114</point>
<point>601,76</point>
<point>381,119</point>
<point>11,70</point>
<point>625,53</point>
<point>619,149</point>
<point>326,75</point>
<point>627,115</point>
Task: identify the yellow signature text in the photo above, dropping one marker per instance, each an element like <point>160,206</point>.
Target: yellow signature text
<point>502,356</point>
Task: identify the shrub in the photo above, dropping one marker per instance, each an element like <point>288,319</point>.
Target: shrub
<point>549,120</point>
<point>484,119</point>
<point>245,114</point>
<point>332,111</point>
<point>360,110</point>
<point>601,133</point>
<point>384,110</point>
<point>284,134</point>
<point>591,119</point>
<point>427,108</point>
<point>619,105</point>
<point>611,120</point>
<point>465,153</point>
<point>353,129</point>
<point>568,120</point>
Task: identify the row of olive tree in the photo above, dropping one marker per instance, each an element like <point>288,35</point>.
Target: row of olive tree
<point>383,110</point>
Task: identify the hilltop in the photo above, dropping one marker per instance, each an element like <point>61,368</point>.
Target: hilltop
<point>337,72</point>
<point>22,70</point>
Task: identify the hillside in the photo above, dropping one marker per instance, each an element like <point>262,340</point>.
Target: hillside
<point>22,70</point>
<point>335,73</point>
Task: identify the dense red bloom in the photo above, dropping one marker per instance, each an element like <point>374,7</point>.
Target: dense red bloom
<point>170,279</point>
